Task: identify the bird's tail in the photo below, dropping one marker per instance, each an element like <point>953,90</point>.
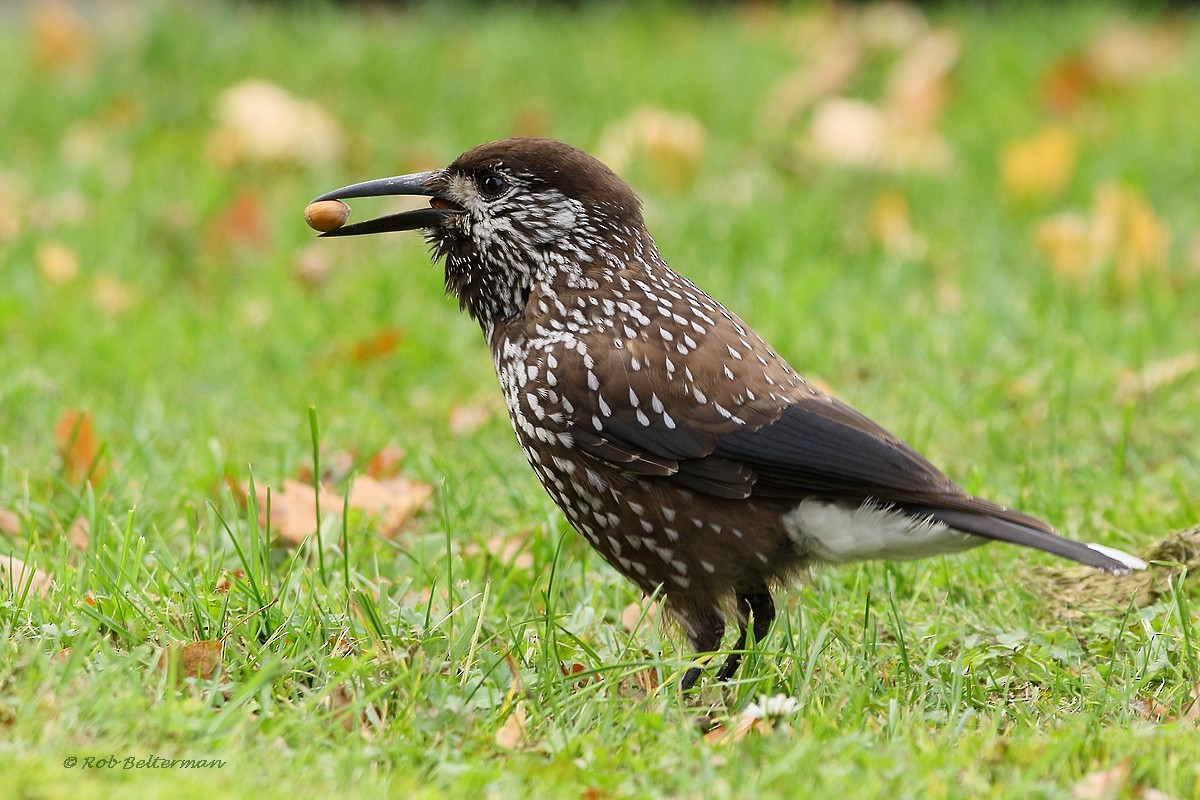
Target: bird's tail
<point>1016,531</point>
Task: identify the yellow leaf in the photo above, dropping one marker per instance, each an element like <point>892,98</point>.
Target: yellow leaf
<point>1038,168</point>
<point>58,263</point>
<point>889,226</point>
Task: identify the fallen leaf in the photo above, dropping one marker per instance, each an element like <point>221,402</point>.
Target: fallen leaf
<point>312,266</point>
<point>225,580</point>
<point>830,71</point>
<point>260,121</point>
<point>892,25</point>
<point>79,533</point>
<point>1038,168</point>
<point>1103,785</point>
<point>890,227</point>
<point>192,659</point>
<point>465,419</point>
<point>917,88</point>
<point>636,615</point>
<point>242,224</point>
<point>1067,82</point>
<point>1121,236</point>
<point>1065,240</point>
<point>1125,227</point>
<point>385,462</point>
<point>1192,713</point>
<point>1125,52</point>
<point>670,144</point>
<point>15,575</point>
<point>1155,375</point>
<point>341,707</point>
<point>391,500</point>
<point>112,296</point>
<point>57,263</point>
<point>646,680</point>
<point>61,36</point>
<point>507,550</point>
<point>379,345</point>
<point>293,508</point>
<point>511,734</point>
<point>75,436</point>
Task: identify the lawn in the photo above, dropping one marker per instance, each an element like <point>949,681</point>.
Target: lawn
<point>980,227</point>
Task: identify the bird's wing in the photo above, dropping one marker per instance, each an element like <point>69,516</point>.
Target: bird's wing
<point>691,394</point>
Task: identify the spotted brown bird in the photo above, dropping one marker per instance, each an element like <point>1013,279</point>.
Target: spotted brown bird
<point>686,451</point>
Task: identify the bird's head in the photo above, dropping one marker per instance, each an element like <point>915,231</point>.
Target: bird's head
<point>511,214</point>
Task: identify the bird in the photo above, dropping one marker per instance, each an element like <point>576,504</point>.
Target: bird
<point>686,451</point>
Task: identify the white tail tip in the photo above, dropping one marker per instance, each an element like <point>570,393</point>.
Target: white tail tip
<point>1131,562</point>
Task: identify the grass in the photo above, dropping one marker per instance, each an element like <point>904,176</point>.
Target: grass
<point>388,666</point>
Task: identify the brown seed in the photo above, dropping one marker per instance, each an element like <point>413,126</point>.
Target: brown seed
<point>326,215</point>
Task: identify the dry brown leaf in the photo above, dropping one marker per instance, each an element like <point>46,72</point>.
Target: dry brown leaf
<point>75,435</point>
<point>260,121</point>
<point>193,659</point>
<point>242,224</point>
<point>1066,83</point>
<point>15,575</point>
<point>636,613</point>
<point>61,36</point>
<point>391,500</point>
<point>512,733</point>
<point>465,419</point>
<point>917,84</point>
<point>341,707</point>
<point>385,462</point>
<point>379,345</point>
<point>742,726</point>
<point>10,523</point>
<point>670,144</point>
<point>293,508</point>
<point>1155,375</point>
<point>1038,167</point>
<point>79,533</point>
<point>506,550</point>
<point>57,263</point>
<point>1102,785</point>
<point>1192,713</point>
<point>829,72</point>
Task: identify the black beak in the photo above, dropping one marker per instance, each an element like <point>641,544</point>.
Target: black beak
<point>425,184</point>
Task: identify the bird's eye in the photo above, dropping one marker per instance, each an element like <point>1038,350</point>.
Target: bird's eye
<point>492,185</point>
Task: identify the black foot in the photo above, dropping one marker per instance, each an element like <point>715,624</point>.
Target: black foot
<point>759,607</point>
<point>756,605</point>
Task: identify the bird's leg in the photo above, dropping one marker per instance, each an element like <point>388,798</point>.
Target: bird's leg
<point>705,631</point>
<point>761,608</point>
